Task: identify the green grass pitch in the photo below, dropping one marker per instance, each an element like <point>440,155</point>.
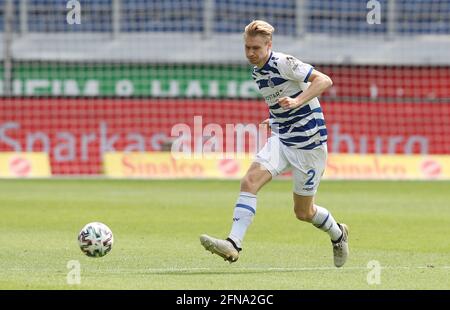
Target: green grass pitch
<point>405,226</point>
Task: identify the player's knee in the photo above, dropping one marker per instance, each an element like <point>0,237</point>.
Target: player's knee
<point>249,184</point>
<point>304,215</point>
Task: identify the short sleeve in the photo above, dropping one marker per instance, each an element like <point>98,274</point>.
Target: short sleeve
<point>294,69</point>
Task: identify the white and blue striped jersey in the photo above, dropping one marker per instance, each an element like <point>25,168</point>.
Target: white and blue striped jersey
<point>285,76</point>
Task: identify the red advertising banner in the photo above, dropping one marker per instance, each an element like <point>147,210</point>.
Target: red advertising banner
<point>77,132</point>
<point>377,82</point>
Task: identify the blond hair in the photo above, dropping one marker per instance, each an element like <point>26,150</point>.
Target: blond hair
<point>259,27</point>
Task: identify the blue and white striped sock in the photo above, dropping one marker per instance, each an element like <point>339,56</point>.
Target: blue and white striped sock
<point>242,217</point>
<point>325,221</point>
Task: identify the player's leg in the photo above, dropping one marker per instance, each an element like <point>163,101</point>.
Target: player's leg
<point>268,164</point>
<point>243,215</point>
<point>308,169</point>
<point>245,209</point>
<point>306,210</point>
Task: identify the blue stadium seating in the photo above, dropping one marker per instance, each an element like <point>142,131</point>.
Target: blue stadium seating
<point>230,16</point>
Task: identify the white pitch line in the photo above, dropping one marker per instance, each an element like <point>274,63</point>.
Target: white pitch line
<point>290,268</point>
<point>225,269</point>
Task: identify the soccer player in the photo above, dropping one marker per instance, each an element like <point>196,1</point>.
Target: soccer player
<point>298,142</point>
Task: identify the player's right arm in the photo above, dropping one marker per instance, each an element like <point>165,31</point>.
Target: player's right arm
<point>295,70</point>
<point>319,83</point>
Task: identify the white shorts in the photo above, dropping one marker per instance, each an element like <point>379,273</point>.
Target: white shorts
<point>307,166</point>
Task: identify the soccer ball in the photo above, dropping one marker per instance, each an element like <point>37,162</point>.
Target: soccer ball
<point>95,239</point>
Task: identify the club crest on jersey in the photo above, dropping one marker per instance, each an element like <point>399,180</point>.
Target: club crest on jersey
<point>270,82</point>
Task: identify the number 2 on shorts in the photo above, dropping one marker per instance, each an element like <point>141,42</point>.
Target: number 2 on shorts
<point>312,174</point>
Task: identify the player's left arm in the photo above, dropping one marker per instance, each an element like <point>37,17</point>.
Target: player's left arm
<point>320,82</point>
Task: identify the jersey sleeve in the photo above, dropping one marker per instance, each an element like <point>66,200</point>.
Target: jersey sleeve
<point>294,69</point>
